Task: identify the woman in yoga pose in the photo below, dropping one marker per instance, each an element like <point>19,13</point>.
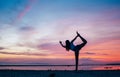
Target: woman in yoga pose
<point>70,46</point>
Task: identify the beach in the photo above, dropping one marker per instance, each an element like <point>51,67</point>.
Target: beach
<point>58,73</point>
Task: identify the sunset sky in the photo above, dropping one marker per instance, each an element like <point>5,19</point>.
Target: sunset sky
<point>30,31</point>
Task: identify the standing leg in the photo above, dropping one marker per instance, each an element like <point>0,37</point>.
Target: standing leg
<point>76,60</point>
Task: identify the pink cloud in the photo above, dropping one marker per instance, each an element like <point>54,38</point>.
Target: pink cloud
<point>52,48</point>
<point>25,10</point>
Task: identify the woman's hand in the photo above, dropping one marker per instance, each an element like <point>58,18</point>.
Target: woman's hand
<point>60,42</point>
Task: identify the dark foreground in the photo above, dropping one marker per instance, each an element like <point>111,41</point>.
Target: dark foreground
<point>87,73</point>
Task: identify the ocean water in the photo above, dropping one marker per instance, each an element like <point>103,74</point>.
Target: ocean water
<point>98,67</point>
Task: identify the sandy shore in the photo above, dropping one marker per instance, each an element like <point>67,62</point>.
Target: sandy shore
<point>33,73</point>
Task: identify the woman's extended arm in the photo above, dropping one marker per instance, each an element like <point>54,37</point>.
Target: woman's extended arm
<point>74,39</point>
<point>61,44</point>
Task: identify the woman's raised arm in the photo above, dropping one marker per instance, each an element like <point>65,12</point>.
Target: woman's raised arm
<point>75,37</point>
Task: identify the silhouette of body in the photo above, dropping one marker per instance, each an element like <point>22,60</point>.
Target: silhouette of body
<point>70,46</point>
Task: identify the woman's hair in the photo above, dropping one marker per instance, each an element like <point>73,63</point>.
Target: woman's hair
<point>67,45</point>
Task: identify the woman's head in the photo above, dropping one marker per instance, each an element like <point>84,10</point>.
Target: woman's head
<point>67,45</point>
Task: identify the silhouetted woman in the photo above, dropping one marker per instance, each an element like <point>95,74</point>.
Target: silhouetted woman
<point>70,46</point>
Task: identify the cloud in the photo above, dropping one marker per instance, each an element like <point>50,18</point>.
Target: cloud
<point>89,53</point>
<point>89,61</point>
<point>27,30</point>
<point>2,48</point>
<point>25,10</point>
<point>51,47</point>
<point>46,46</point>
<point>24,53</point>
<point>92,53</point>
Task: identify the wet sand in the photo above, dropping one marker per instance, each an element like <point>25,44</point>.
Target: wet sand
<point>42,73</point>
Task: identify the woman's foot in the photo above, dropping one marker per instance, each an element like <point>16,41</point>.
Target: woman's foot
<point>78,33</point>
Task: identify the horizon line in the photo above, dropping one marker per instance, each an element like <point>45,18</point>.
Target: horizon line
<point>56,65</point>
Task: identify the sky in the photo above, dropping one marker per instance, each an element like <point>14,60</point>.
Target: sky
<point>30,31</point>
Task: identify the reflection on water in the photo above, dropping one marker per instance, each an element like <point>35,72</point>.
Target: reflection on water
<point>112,67</point>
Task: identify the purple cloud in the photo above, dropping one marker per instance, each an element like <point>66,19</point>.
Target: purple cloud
<point>26,28</point>
<point>84,61</point>
<point>92,53</point>
<point>24,53</point>
<point>2,48</point>
<point>89,53</point>
<point>52,47</point>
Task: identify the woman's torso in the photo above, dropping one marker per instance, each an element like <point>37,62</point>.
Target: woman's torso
<point>72,46</point>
